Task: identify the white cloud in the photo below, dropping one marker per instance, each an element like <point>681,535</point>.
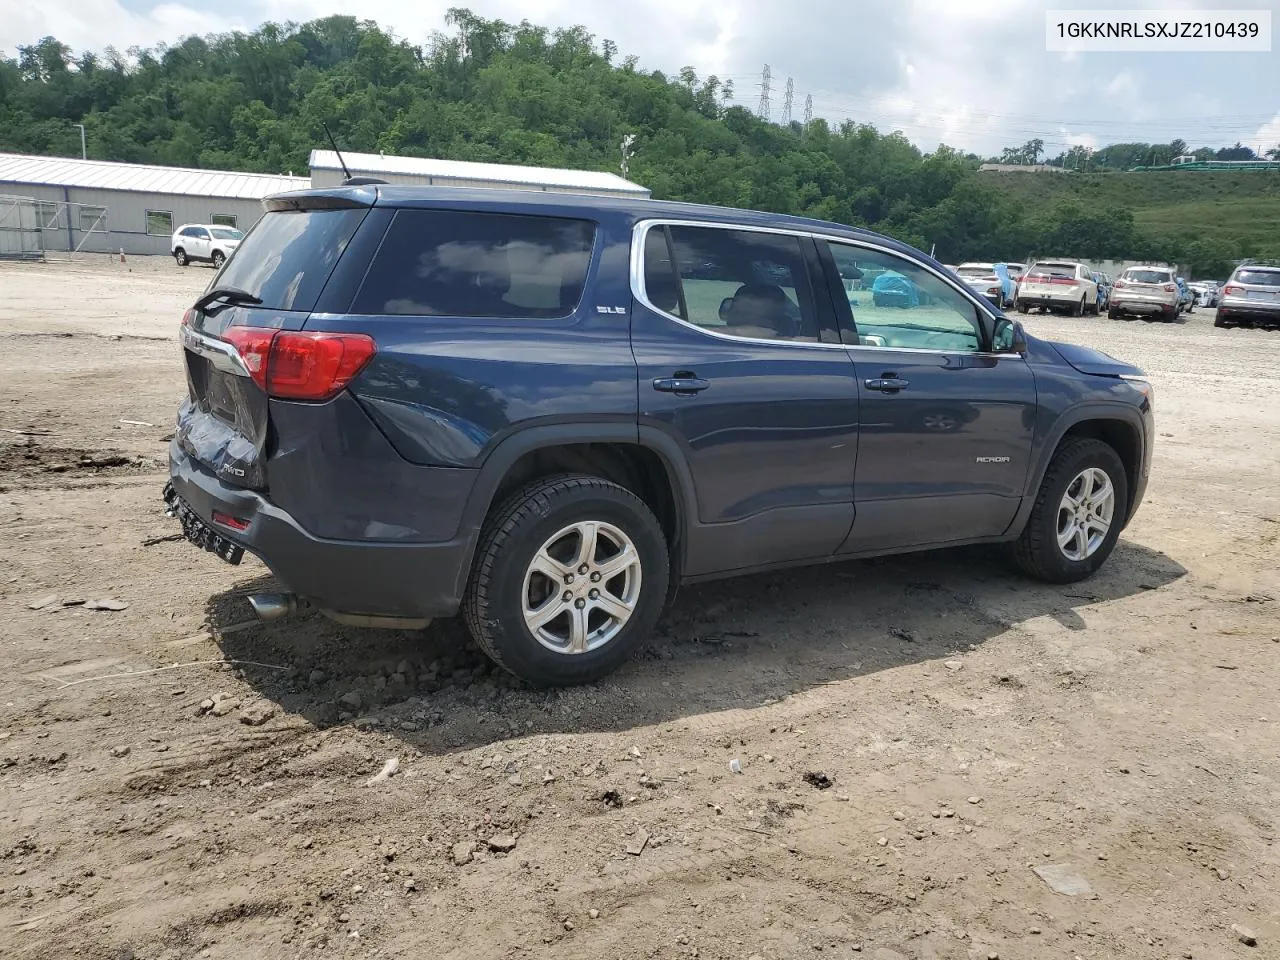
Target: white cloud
<point>95,24</point>
<point>1268,135</point>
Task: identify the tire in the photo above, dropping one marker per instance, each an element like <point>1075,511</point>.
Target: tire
<point>534,521</point>
<point>180,256</point>
<point>219,258</point>
<point>1021,306</point>
<point>1037,550</point>
<point>1113,314</point>
<point>1078,309</point>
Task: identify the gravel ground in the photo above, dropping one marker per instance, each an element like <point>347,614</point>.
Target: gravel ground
<point>938,759</point>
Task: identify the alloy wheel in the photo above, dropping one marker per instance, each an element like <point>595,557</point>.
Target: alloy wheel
<point>1085,514</point>
<point>581,587</point>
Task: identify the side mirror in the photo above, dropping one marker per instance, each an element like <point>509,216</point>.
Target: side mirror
<point>725,306</point>
<point>1009,337</point>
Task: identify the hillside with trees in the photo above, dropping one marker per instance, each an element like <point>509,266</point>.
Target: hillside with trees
<point>493,91</point>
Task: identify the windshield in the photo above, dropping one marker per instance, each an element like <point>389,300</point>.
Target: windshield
<point>1259,278</point>
<point>226,233</point>
<point>1147,276</point>
<point>976,271</point>
<point>288,255</point>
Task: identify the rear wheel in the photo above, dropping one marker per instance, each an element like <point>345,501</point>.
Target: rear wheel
<point>570,576</point>
<point>219,258</point>
<point>1112,313</point>
<point>1078,309</point>
<point>180,255</point>
<point>1078,513</point>
<point>1021,305</point>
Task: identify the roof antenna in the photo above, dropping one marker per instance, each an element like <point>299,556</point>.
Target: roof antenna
<point>348,179</point>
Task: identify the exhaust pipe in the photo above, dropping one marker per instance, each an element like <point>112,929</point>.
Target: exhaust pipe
<point>276,606</point>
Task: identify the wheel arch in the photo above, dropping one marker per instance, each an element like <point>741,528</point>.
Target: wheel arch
<point>1120,427</point>
<point>645,461</point>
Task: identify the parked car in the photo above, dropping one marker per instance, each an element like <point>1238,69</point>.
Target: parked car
<point>1206,292</point>
<point>894,290</point>
<point>990,280</point>
<point>1061,286</point>
<point>1145,291</point>
<point>1186,299</point>
<point>413,402</point>
<point>1250,297</point>
<point>209,242</point>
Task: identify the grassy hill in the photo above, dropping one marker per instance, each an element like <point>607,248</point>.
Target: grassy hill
<point>1238,208</point>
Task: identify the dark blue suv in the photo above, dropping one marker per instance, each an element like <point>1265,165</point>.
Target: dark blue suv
<point>547,411</point>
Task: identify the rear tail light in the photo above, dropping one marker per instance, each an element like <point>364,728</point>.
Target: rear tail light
<point>189,318</point>
<point>300,366</point>
<point>1118,284</point>
<point>1232,291</point>
<point>1170,288</point>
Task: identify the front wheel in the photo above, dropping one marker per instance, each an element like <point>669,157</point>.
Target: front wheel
<point>1078,513</point>
<point>569,578</point>
<point>219,258</point>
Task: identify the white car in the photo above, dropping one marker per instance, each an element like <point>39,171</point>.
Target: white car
<point>208,242</point>
<point>1058,285</point>
<point>1150,290</point>
<point>990,280</point>
<point>1206,292</point>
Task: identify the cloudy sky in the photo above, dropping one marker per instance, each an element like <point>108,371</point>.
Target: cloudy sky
<point>970,73</point>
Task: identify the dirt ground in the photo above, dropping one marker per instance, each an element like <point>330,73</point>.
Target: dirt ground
<point>916,736</point>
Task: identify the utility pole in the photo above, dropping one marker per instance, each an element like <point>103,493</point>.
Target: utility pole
<point>763,110</point>
<point>808,110</point>
<point>786,102</point>
<point>628,143</point>
<point>84,153</point>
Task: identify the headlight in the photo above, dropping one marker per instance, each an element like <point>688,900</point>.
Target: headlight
<point>1142,385</point>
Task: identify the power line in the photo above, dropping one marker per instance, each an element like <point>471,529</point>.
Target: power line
<point>786,102</point>
<point>763,109</point>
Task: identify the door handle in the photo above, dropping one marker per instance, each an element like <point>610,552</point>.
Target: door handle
<point>681,386</point>
<point>887,384</point>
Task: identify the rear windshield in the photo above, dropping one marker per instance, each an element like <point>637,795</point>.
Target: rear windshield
<point>976,271</point>
<point>1052,270</point>
<point>1148,276</point>
<point>1259,278</point>
<point>287,257</point>
<point>446,263</point>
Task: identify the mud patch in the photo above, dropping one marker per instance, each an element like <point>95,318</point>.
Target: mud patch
<point>35,461</point>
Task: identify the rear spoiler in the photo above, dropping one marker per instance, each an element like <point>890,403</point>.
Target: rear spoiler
<point>333,198</point>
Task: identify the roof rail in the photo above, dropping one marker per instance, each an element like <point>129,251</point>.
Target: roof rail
<point>1261,262</point>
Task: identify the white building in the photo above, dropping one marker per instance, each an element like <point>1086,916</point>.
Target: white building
<point>59,204</point>
<point>97,205</point>
<point>326,171</point>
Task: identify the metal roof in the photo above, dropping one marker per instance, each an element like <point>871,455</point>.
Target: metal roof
<point>374,164</point>
<point>142,178</point>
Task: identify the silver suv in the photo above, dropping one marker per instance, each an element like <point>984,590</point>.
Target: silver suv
<point>1251,297</point>
<point>1147,290</point>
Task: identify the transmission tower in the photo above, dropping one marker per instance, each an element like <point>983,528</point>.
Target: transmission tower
<point>786,102</point>
<point>808,110</point>
<point>763,110</point>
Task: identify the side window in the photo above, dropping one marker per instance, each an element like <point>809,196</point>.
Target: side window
<point>201,233</point>
<point>897,303</point>
<point>740,283</point>
<point>443,263</point>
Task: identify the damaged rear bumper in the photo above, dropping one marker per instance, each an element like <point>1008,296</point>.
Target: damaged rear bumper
<point>368,577</point>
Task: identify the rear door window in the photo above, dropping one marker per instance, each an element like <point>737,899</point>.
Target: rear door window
<point>287,257</point>
<point>741,283</point>
<point>449,263</point>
